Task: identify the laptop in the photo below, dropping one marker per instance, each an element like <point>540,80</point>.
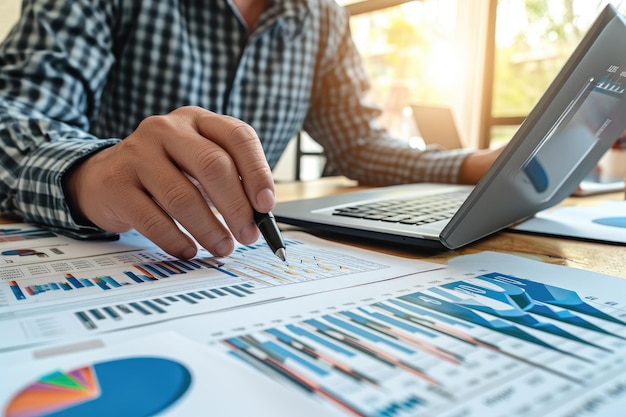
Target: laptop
<point>576,121</point>
<point>436,126</point>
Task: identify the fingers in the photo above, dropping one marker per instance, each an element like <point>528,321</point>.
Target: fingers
<point>242,144</point>
<point>226,158</point>
<point>180,149</point>
<point>182,200</point>
<point>106,191</point>
<point>146,182</point>
<point>152,222</point>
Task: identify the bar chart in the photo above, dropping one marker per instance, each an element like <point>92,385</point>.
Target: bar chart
<point>137,274</point>
<point>247,264</point>
<point>109,292</point>
<point>521,345</point>
<point>143,310</point>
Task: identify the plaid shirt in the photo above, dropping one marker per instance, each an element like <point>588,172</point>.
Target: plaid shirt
<point>79,75</point>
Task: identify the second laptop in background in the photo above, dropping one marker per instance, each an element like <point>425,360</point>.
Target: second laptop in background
<point>437,126</point>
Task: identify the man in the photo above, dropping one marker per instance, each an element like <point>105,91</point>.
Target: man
<point>116,114</point>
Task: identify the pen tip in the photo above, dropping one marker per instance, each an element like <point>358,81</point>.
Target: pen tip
<point>280,252</point>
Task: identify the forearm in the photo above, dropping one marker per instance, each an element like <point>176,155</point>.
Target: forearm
<point>35,155</point>
<point>53,66</point>
<point>476,164</point>
<point>343,122</point>
<point>389,161</point>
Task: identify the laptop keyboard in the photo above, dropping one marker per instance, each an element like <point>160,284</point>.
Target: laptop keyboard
<point>419,210</point>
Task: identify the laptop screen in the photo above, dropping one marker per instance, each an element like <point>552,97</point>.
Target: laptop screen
<point>576,134</point>
<point>437,126</point>
<point>579,117</point>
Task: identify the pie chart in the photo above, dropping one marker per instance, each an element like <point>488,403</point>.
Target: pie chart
<point>135,386</point>
<point>611,221</point>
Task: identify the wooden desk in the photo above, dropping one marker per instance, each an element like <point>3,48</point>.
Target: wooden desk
<point>598,257</point>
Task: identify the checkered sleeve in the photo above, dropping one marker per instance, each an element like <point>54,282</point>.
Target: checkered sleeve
<point>344,124</point>
<point>53,65</point>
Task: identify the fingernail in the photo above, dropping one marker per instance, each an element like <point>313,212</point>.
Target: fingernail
<point>224,247</point>
<point>265,199</point>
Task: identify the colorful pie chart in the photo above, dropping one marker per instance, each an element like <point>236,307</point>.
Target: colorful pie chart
<point>137,386</point>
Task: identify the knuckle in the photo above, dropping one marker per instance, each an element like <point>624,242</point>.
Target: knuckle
<point>238,209</point>
<point>187,109</point>
<point>190,113</point>
<point>259,169</point>
<point>243,132</point>
<point>152,225</point>
<point>179,198</point>
<point>215,163</point>
<point>257,172</point>
<point>158,123</point>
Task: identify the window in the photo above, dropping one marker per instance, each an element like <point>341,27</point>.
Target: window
<point>408,52</point>
<point>489,60</point>
<point>411,51</point>
<point>533,39</point>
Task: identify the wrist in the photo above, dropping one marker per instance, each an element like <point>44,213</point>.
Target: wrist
<point>71,184</point>
<point>475,165</point>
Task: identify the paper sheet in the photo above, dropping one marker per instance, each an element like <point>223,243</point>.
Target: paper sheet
<point>82,288</point>
<point>162,374</point>
<point>492,335</point>
<point>603,223</point>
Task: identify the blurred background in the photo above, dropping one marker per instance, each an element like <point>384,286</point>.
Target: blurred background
<point>488,61</point>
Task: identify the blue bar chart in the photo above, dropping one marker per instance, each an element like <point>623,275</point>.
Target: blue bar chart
<point>132,288</point>
<point>247,264</point>
<point>137,274</point>
<point>144,309</point>
<point>423,352</point>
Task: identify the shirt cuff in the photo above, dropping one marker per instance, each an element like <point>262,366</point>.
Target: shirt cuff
<point>40,197</point>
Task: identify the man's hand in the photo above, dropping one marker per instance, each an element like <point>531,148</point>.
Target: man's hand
<point>475,165</point>
<point>142,182</point>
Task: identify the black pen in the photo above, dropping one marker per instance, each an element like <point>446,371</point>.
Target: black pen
<point>269,229</point>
